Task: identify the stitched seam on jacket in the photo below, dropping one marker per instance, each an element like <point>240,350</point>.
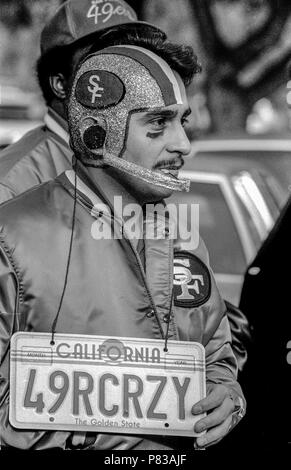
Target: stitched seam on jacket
<point>172,318</point>
<point>15,268</point>
<point>19,296</point>
<point>5,186</point>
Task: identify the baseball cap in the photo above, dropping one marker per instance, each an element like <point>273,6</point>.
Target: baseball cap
<point>76,19</point>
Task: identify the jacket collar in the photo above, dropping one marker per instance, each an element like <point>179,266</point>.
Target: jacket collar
<point>57,124</point>
<point>105,190</point>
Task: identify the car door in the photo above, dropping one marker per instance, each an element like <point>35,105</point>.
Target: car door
<point>222,226</point>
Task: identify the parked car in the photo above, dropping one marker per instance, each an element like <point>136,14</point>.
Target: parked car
<point>19,112</point>
<point>272,151</point>
<point>240,197</point>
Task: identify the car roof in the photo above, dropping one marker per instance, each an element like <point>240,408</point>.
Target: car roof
<point>243,142</point>
<point>223,164</point>
<point>245,136</point>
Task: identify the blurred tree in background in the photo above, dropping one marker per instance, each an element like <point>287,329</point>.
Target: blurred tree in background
<point>21,22</point>
<point>252,39</point>
<point>243,45</point>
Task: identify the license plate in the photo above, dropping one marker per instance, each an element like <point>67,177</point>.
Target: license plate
<point>101,384</point>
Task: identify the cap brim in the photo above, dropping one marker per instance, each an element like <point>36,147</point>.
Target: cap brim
<point>101,32</point>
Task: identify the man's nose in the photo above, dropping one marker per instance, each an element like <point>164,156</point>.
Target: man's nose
<point>179,141</point>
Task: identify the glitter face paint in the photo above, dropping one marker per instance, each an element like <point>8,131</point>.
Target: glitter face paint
<point>109,86</point>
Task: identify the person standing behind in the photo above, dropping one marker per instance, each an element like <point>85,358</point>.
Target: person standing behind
<point>44,152</point>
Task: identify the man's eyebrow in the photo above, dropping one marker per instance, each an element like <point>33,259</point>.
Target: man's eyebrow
<point>165,113</point>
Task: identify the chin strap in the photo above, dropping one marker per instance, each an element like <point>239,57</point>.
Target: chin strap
<point>148,176</point>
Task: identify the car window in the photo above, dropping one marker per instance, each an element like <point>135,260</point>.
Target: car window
<point>216,227</point>
<point>277,162</point>
<point>255,236</point>
<point>273,193</point>
<point>14,112</point>
<point>251,196</point>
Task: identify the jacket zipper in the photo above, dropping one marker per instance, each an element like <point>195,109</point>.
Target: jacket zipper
<point>153,306</point>
<point>145,284</point>
<point>171,313</point>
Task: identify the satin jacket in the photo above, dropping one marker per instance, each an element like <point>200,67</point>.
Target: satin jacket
<point>39,156</point>
<point>110,291</point>
<point>44,153</point>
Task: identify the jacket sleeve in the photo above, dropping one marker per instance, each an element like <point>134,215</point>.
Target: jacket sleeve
<point>220,346</point>
<point>240,333</point>
<point>6,193</point>
<point>11,321</point>
<point>221,363</point>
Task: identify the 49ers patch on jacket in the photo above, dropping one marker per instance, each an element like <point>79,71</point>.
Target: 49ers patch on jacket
<point>192,281</point>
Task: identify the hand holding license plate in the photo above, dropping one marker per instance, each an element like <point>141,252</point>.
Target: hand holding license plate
<point>101,384</point>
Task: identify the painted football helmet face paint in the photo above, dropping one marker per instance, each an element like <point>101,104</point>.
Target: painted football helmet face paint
<point>109,86</point>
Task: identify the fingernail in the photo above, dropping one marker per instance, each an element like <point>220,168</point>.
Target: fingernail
<point>197,410</point>
<point>201,428</point>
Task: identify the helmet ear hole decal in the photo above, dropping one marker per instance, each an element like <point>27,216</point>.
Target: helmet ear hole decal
<point>94,137</point>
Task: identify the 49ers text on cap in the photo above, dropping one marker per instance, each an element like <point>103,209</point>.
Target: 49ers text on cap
<point>77,19</point>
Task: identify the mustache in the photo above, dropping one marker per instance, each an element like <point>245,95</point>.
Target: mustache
<point>176,163</point>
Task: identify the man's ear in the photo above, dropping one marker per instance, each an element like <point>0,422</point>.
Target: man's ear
<point>58,85</point>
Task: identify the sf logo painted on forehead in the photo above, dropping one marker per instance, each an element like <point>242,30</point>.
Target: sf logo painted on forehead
<point>106,9</point>
<point>99,89</point>
<point>95,89</point>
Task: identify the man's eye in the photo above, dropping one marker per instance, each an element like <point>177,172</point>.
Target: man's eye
<point>159,123</point>
<point>184,122</point>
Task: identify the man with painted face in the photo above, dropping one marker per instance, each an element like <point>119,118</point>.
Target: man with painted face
<point>75,28</point>
<point>127,111</point>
